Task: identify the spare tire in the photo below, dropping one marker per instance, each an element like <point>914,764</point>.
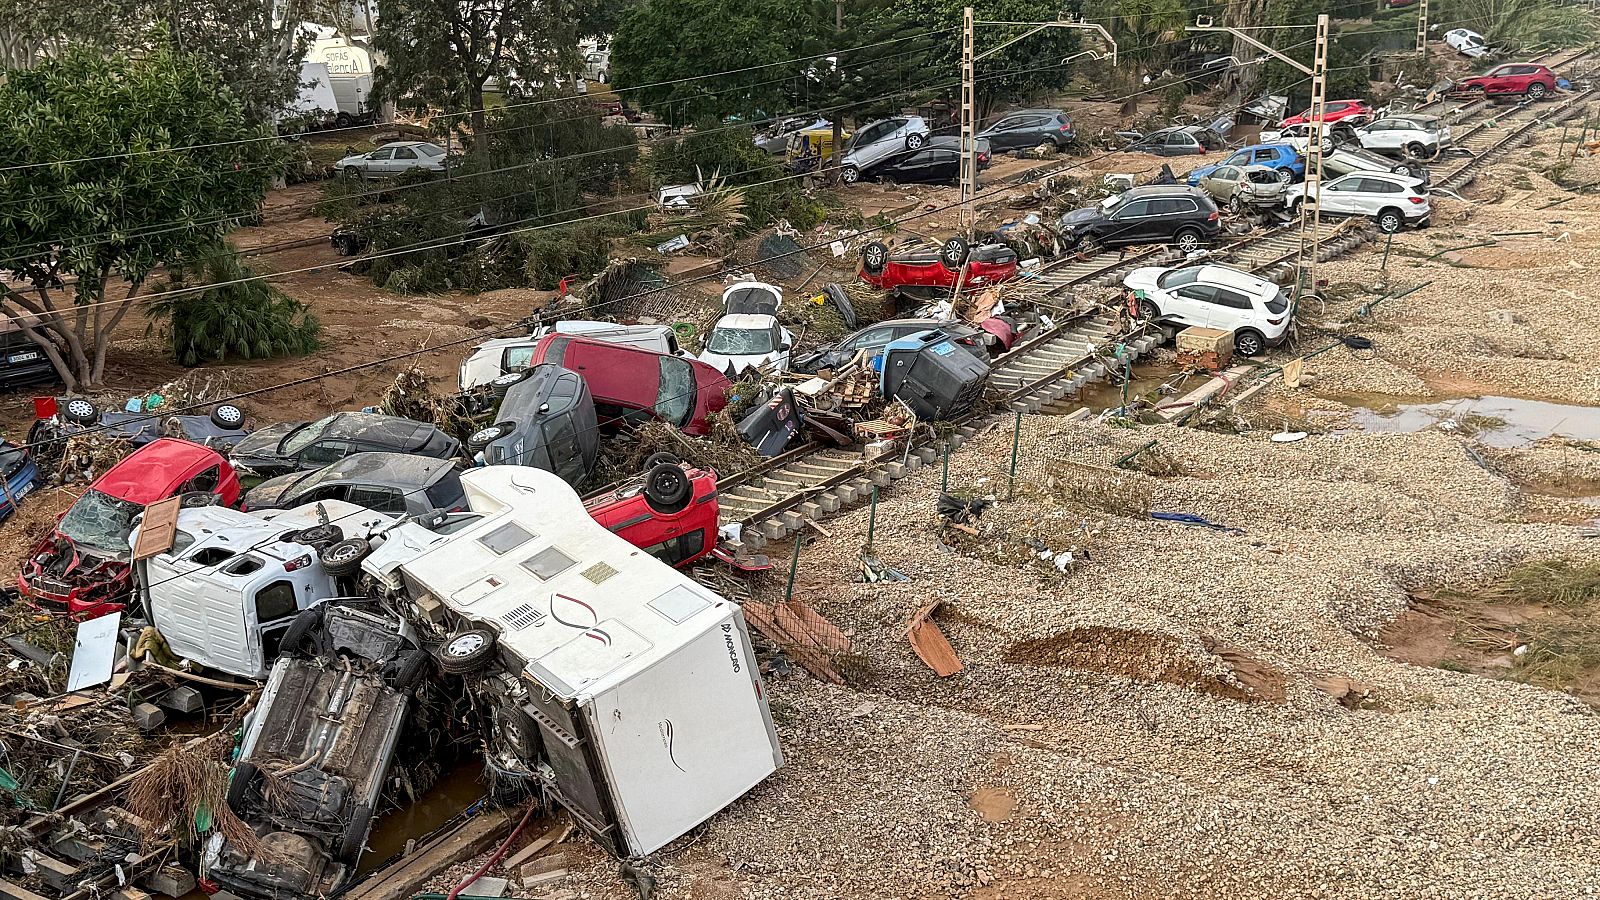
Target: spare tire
<point>875,258</point>
<point>344,557</point>
<point>659,457</point>
<point>79,411</point>
<point>953,253</point>
<point>467,651</point>
<point>299,631</point>
<point>244,773</point>
<point>228,416</point>
<point>667,488</point>
<point>354,838</point>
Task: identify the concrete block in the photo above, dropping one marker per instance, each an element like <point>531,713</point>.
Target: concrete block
<point>810,509</point>
<point>182,698</point>
<point>829,502</point>
<point>174,881</point>
<point>487,886</point>
<point>148,716</point>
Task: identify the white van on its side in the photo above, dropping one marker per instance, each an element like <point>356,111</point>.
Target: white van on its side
<point>493,358</point>
<point>227,591</point>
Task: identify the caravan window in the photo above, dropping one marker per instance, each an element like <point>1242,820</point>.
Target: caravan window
<point>275,601</point>
<point>506,538</point>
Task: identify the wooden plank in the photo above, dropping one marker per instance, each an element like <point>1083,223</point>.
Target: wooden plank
<point>930,644</point>
<point>466,840</point>
<point>159,528</point>
<point>12,891</point>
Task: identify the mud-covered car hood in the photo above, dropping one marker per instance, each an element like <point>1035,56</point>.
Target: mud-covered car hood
<point>269,494</point>
<point>1080,216</point>
<point>261,447</point>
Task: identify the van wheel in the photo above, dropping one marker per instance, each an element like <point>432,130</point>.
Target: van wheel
<point>408,671</point>
<point>296,636</point>
<point>659,457</point>
<point>344,558</point>
<point>1188,240</point>
<point>467,652</point>
<point>354,838</point>
<point>244,773</point>
<point>1390,221</point>
<point>487,435</point>
<point>667,488</point>
<point>516,731</point>
<point>80,412</point>
<point>228,416</point>
<point>317,536</point>
<point>1248,343</point>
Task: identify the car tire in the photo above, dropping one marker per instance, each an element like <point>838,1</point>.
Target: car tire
<point>239,783</point>
<point>228,417</point>
<point>516,731</point>
<point>1235,205</point>
<point>875,258</point>
<point>953,253</point>
<point>488,434</point>
<point>915,141</point>
<point>1537,91</point>
<point>354,838</point>
<point>408,671</point>
<point>1416,150</point>
<point>351,173</point>
<point>299,632</point>
<point>1088,246</point>
<point>658,458</point>
<point>467,651</point>
<point>344,558</point>
<point>1286,175</point>
<point>501,385</point>
<point>317,536</point>
<point>1188,240</point>
<point>1390,220</point>
<point>667,488</point>
<point>849,174</point>
<point>1248,343</point>
<point>79,411</point>
<point>1148,310</point>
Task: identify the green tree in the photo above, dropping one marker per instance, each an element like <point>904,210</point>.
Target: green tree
<point>236,317</point>
<point>1521,23</point>
<point>444,53</point>
<point>1147,33</point>
<point>33,30</point>
<point>256,46</point>
<point>111,168</point>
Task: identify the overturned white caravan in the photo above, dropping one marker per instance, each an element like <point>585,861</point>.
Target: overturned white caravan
<point>623,689</point>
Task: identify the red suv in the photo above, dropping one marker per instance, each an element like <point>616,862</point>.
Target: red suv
<point>1532,80</point>
<point>683,392</point>
<point>934,272</point>
<point>1352,112</point>
<point>82,567</point>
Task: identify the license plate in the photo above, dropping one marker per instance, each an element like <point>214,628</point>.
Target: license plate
<point>26,490</point>
<point>23,357</point>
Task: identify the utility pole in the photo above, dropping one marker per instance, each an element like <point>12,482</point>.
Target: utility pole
<point>1422,26</point>
<point>969,97</point>
<point>1310,208</point>
<point>835,155</point>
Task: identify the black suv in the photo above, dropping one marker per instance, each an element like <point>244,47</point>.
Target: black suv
<point>1156,214</point>
<point>1025,129</point>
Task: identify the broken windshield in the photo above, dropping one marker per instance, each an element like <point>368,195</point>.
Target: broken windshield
<point>304,436</point>
<point>101,521</point>
<point>1178,277</point>
<point>741,341</point>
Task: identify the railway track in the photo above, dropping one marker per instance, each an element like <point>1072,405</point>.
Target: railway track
<point>1493,138</point>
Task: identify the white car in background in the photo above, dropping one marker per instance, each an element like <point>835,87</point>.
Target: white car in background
<point>1297,136</point>
<point>500,356</point>
<point>742,341</point>
<point>1393,201</point>
<point>1256,311</point>
<point>879,141</point>
<point>393,159</point>
<point>1416,136</point>
<point>1467,42</point>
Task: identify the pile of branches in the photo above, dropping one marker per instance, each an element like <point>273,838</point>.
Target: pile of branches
<point>411,397</point>
<point>178,784</point>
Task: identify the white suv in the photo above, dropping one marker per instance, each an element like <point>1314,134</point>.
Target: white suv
<point>1256,311</point>
<point>1393,201</point>
<point>1467,42</point>
<point>881,140</point>
<point>1419,137</point>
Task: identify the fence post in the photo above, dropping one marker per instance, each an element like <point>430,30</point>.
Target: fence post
<point>872,517</point>
<point>944,480</point>
<point>1016,436</point>
<point>1386,245</point>
<point>794,565</point>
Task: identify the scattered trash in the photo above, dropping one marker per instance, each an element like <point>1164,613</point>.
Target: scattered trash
<point>873,570</point>
<point>1191,519</point>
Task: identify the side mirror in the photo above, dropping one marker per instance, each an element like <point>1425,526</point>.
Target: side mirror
<point>785,345</point>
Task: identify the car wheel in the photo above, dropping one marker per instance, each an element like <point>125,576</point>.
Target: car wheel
<point>295,638</point>
<point>1235,205</point>
<point>1415,150</point>
<point>354,838</point>
<point>344,558</point>
<point>487,435</point>
<point>351,173</point>
<point>875,258</point>
<point>468,651</point>
<point>1286,175</point>
<point>80,412</point>
<point>1188,240</point>
<point>239,783</point>
<point>1390,221</point>
<point>953,254</point>
<point>1148,310</point>
<point>408,671</point>
<point>915,141</point>
<point>516,731</point>
<point>1536,91</point>
<point>501,384</point>
<point>318,536</point>
<point>658,458</point>
<point>850,174</point>
<point>667,488</point>
<point>1327,145</point>
<point>1249,343</point>
<point>228,416</point>
<point>1088,246</point>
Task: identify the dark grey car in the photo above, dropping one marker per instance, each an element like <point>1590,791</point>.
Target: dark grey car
<point>398,484</point>
<point>873,338</point>
<point>1025,129</point>
<point>546,420</point>
<point>291,447</point>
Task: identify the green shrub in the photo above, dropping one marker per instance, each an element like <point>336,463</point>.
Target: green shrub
<point>246,320</point>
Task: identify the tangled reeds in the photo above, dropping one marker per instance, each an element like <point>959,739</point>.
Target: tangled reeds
<point>183,787</point>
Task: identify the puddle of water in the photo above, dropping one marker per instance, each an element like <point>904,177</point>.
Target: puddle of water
<point>1102,395</point>
<point>457,789</point>
<point>1496,421</point>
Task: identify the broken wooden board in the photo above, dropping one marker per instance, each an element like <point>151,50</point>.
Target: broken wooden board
<point>407,876</point>
<point>159,528</point>
<point>802,634</point>
<point>930,644</point>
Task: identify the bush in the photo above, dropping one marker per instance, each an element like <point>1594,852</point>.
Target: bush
<point>247,320</point>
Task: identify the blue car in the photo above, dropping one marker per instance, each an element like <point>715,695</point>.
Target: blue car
<point>21,475</point>
<point>1288,162</point>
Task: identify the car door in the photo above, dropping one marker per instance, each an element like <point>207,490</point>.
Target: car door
<point>324,452</point>
<point>379,498</point>
<point>404,160</point>
<point>1222,183</point>
<point>1189,304</point>
<point>1343,197</point>
<point>1128,224</point>
<point>379,161</point>
<point>940,166</point>
<point>1003,134</point>
<point>1227,309</point>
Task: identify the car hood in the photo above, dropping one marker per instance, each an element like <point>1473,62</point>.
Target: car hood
<point>1081,216</point>
<point>1143,279</point>
<point>351,160</point>
<point>262,444</point>
<point>722,363</point>
<point>268,494</point>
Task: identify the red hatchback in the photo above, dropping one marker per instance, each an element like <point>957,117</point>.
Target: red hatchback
<point>82,567</point>
<point>1351,112</point>
<point>682,392</point>
<point>1532,80</point>
<point>934,272</point>
<point>670,513</point>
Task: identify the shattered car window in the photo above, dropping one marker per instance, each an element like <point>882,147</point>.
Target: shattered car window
<point>1179,277</point>
<point>741,341</point>
<point>675,401</point>
<point>305,436</point>
<point>100,520</point>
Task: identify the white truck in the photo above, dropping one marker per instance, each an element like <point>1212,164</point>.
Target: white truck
<point>622,688</point>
